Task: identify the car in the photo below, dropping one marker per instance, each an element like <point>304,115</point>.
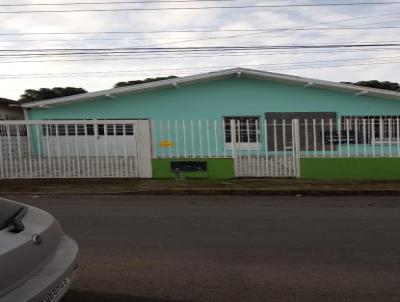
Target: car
<point>38,262</point>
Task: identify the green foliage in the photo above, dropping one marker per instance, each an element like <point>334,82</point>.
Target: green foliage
<point>32,95</point>
<point>386,85</point>
<point>130,83</point>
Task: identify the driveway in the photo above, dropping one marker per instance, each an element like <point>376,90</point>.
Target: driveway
<point>194,248</point>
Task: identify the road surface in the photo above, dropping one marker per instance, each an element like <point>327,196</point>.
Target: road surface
<point>202,248</point>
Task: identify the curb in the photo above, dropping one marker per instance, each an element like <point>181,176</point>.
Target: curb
<point>239,192</point>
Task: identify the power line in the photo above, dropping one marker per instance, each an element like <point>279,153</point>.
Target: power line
<point>201,31</point>
<point>246,35</point>
<point>203,7</point>
<point>210,52</point>
<point>188,71</point>
<point>121,57</point>
<point>182,38</point>
<point>147,56</point>
<point>261,31</point>
<point>79,51</point>
<point>195,68</point>
<point>110,2</point>
<point>220,30</point>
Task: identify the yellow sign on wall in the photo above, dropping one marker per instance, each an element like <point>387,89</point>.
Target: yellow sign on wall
<point>166,143</point>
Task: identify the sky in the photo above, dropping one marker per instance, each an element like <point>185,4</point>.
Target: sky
<point>31,58</point>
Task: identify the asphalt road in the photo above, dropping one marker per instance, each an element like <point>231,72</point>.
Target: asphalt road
<point>158,249</point>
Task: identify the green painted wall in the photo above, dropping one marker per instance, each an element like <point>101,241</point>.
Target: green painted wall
<point>351,168</point>
<point>217,168</point>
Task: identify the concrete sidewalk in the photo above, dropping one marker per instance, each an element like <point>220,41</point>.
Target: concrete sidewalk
<point>197,187</point>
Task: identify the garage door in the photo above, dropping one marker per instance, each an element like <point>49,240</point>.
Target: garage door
<point>117,148</point>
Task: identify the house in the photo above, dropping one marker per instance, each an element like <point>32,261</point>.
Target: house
<point>10,110</point>
<point>235,122</point>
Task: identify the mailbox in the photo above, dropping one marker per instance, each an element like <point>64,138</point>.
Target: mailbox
<point>188,166</point>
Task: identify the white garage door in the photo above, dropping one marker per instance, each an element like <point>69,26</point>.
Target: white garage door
<point>118,148</point>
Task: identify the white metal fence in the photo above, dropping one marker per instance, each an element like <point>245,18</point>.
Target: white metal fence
<point>272,148</point>
<point>351,137</point>
<point>123,148</point>
<point>247,143</point>
<point>75,149</point>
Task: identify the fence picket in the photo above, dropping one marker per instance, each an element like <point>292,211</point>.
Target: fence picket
<point>257,161</point>
<point>381,135</point>
<point>192,139</point>
<point>284,166</point>
<point>185,153</point>
<point>356,136</point>
<point>339,130</point>
<point>373,137</point>
<point>177,151</point>
<point>78,164</point>
<point>216,139</point>
<point>315,137</point>
<point>169,138</point>
<point>208,138</point>
<point>275,149</point>
<point>223,136</point>
<point>306,137</point>
<point>365,137</point>
<point>161,128</point>
<point>266,149</point>
<point>331,136</point>
<point>323,137</point>
<point>348,137</point>
<point>390,137</point>
<point>398,136</point>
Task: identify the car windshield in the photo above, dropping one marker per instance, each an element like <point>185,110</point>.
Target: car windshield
<point>8,210</point>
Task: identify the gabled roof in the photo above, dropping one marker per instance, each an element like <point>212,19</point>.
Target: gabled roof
<point>222,74</point>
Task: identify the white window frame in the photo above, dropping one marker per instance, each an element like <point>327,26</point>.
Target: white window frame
<point>243,146</point>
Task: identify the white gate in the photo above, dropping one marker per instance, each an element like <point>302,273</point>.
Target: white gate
<point>75,149</point>
<point>266,149</point>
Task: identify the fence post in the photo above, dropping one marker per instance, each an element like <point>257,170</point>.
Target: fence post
<point>143,145</point>
<point>296,147</point>
<point>233,145</point>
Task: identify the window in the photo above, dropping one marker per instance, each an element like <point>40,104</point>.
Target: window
<point>372,129</point>
<point>63,130</point>
<point>89,130</point>
<point>117,129</point>
<point>13,130</point>
<point>247,131</point>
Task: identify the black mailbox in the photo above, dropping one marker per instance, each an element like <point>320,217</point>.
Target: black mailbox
<point>188,166</point>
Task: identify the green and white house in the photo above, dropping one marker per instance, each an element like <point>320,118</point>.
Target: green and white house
<point>230,123</point>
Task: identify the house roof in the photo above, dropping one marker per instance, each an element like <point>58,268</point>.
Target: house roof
<point>222,74</point>
<point>8,102</point>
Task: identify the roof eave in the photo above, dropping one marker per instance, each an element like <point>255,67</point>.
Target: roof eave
<point>133,88</point>
<point>215,75</point>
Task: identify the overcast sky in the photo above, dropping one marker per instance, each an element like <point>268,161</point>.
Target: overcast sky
<point>102,72</point>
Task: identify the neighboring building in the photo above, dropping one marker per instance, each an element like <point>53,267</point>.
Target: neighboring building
<point>10,110</point>
<point>203,107</point>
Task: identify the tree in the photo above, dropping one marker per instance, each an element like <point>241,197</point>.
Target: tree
<point>32,95</point>
<point>386,85</point>
<point>130,83</point>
